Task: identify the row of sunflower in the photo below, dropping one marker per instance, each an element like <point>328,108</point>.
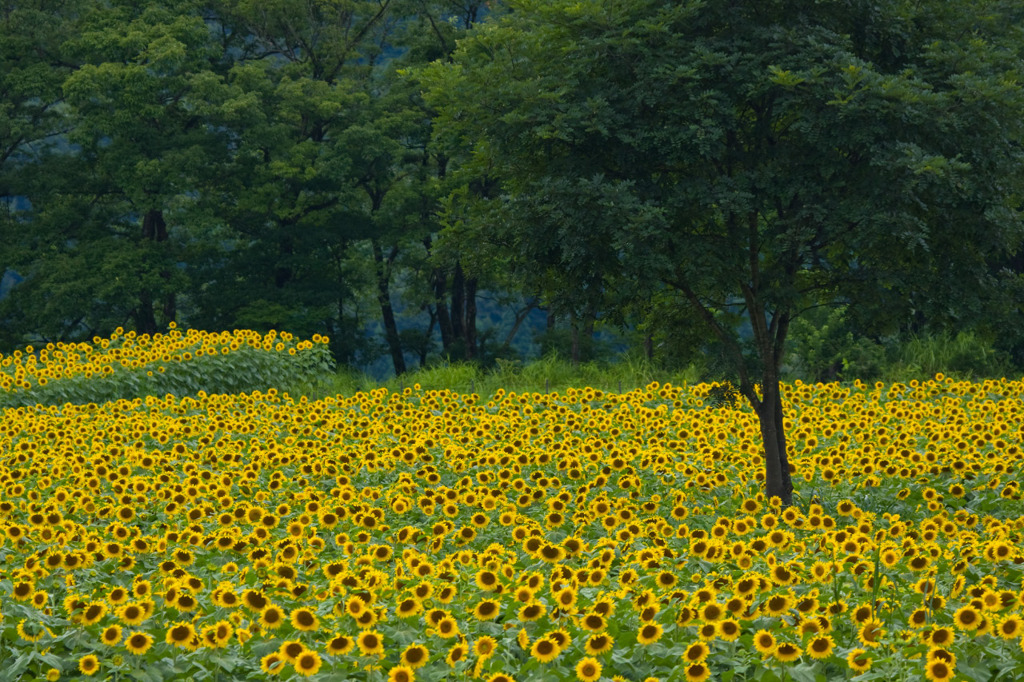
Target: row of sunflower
<point>584,535</point>
<point>178,362</point>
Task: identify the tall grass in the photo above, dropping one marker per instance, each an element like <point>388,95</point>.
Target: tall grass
<point>548,374</point>
<point>965,355</point>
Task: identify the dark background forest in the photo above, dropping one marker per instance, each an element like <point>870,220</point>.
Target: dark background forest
<point>436,181</point>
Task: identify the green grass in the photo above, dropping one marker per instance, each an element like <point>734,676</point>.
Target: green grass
<point>546,375</point>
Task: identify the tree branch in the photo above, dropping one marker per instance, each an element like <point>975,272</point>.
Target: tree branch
<point>746,387</point>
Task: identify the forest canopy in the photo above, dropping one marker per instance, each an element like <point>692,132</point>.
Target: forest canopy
<point>424,180</point>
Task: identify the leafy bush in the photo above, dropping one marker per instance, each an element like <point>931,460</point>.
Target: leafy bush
<point>966,354</point>
<point>824,347</point>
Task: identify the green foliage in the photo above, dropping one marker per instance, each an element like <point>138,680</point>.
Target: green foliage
<point>825,347</point>
<point>965,354</point>
<point>547,374</point>
<point>304,166</point>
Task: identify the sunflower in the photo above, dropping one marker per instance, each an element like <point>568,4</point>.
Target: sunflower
<point>355,606</point>
<point>304,620</point>
<point>862,613</point>
<point>534,611</point>
<point>649,633</point>
<point>918,618</point>
<point>565,600</point>
<point>225,597</point>
<point>93,612</point>
<point>415,656</point>
<point>967,618</point>
<point>484,647</point>
<point>764,642</point>
<point>447,628</point>
<point>696,653</point>
<point>307,663</point>
<point>711,612</point>
<point>599,644</point>
<point>340,645</point>
<point>401,673</point>
<point>183,635</point>
<point>23,591</point>
<point>708,631</point>
<point>132,613</point>
<point>870,632</point>
<point>446,594</point>
<point>594,622</point>
<point>523,639</point>
<point>40,599</point>
<point>523,594</point>
<point>370,643</point>
<point>941,636</point>
<point>787,652</point>
<point>88,664</point>
<point>777,604</point>
<point>858,660</point>
<point>34,633</point>
<point>409,607</point>
<point>272,617</point>
<point>185,602</point>
<point>367,619</point>
<point>728,630</point>
<point>217,635</point>
<point>272,664</point>
<point>697,672</point>
<point>111,635</point>
<point>456,654</point>
<point>938,670</point>
<point>254,600</point>
<point>561,639</point>
<point>487,609</point>
<point>138,643</point>
<point>544,650</point>
<point>486,580</point>
<point>940,654</point>
<point>1010,627</point>
<point>588,670</point>
<point>291,649</point>
<point>820,647</point>
<point>666,580</point>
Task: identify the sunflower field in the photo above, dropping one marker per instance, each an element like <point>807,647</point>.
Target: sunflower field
<point>429,535</point>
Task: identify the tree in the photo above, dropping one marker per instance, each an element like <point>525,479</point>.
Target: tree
<point>751,159</point>
<point>109,195</point>
<point>286,208</point>
<point>33,65</point>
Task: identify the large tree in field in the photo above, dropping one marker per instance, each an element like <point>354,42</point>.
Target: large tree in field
<point>751,158</point>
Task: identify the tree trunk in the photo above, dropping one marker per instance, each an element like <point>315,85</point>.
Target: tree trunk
<point>154,229</point>
<point>574,351</point>
<point>425,348</point>
<point>778,482</point>
<point>458,302</point>
<point>770,340</point>
<point>283,271</point>
<point>470,320</point>
<point>520,318</point>
<point>144,316</point>
<point>383,273</point>
<point>439,285</point>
